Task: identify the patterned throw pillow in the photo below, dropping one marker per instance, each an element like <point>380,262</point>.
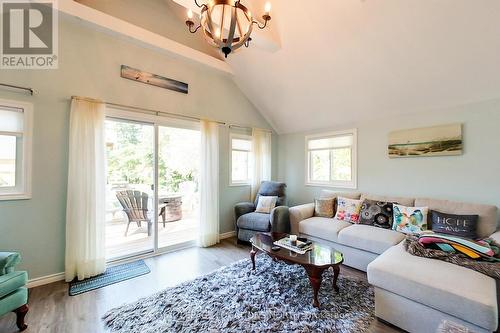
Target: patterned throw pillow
<point>323,207</point>
<point>376,213</point>
<point>266,204</point>
<point>348,209</point>
<point>458,225</point>
<point>410,220</point>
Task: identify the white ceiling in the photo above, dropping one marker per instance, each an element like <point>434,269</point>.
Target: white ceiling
<point>343,61</point>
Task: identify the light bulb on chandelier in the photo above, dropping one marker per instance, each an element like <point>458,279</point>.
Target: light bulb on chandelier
<point>226,24</point>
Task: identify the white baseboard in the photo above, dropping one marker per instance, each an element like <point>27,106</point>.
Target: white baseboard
<point>227,235</point>
<point>40,281</point>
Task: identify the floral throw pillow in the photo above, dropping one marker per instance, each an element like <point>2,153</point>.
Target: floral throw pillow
<point>348,209</point>
<point>376,213</point>
<point>410,220</point>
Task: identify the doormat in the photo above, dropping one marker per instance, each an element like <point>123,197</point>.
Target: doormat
<point>112,275</point>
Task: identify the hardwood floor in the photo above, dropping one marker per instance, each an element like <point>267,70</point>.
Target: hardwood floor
<point>53,311</point>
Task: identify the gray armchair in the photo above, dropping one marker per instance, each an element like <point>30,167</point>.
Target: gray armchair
<point>248,222</point>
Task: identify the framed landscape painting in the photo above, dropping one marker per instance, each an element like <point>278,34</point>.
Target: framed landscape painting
<point>428,141</point>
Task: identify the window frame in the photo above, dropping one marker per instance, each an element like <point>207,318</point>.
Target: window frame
<point>248,181</point>
<point>24,189</point>
<point>353,183</point>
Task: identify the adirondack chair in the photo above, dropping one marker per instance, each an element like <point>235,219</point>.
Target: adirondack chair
<point>135,205</point>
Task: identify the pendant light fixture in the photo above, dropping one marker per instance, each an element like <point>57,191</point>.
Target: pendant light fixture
<point>226,24</point>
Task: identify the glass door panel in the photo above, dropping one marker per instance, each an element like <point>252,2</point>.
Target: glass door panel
<point>130,212</point>
<point>178,174</point>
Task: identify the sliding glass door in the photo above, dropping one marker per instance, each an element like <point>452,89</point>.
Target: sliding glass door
<point>129,188</point>
<point>178,170</point>
<point>144,152</point>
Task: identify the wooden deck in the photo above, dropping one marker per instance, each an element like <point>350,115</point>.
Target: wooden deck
<point>137,240</point>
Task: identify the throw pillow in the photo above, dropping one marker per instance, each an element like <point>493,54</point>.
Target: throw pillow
<point>376,213</point>
<point>323,207</point>
<point>266,204</point>
<point>458,225</point>
<point>410,220</point>
<point>348,209</point>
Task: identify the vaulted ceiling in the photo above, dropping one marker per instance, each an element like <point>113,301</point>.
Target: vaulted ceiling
<point>343,61</point>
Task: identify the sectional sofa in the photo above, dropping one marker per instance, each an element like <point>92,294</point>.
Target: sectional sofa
<point>413,293</point>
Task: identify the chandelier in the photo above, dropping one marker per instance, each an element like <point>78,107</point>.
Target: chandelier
<point>226,24</point>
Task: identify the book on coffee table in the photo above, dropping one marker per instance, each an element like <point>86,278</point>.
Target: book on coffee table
<point>300,248</point>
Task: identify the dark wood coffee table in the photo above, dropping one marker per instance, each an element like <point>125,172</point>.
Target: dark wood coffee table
<point>315,262</point>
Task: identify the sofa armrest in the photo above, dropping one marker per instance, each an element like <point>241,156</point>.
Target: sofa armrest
<point>243,208</point>
<point>280,219</point>
<point>8,260</point>
<point>299,213</point>
<point>496,237</point>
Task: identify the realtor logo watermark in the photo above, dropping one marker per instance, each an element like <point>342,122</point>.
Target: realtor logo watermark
<point>29,34</point>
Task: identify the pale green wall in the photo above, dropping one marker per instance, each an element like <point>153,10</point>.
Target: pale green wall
<point>473,176</point>
<point>89,65</point>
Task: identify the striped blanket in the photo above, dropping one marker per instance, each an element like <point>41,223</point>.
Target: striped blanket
<point>486,264</point>
<point>473,249</point>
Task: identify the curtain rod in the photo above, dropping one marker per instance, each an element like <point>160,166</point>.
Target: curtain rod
<point>159,113</point>
<point>30,90</point>
<point>248,127</point>
<point>143,110</point>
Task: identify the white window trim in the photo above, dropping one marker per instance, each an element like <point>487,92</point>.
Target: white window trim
<point>247,182</point>
<point>23,191</point>
<point>353,184</point>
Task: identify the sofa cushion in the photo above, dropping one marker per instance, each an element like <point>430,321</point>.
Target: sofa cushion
<point>457,225</point>
<point>376,213</point>
<point>254,221</point>
<point>410,220</point>
<point>269,188</point>
<point>8,260</point>
<point>369,238</point>
<point>14,300</point>
<point>324,207</point>
<point>322,227</point>
<point>265,204</point>
<point>12,281</point>
<point>348,209</point>
<point>327,194</point>
<point>399,200</point>
<point>488,218</point>
<point>456,290</point>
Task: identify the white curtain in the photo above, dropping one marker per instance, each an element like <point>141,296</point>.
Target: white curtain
<point>261,148</point>
<point>85,207</point>
<point>209,184</point>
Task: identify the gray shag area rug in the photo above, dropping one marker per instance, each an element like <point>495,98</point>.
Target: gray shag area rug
<point>276,297</point>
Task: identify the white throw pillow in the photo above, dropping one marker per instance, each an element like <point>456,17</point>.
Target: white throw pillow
<point>266,204</point>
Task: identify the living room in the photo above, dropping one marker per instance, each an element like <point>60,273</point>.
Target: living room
<point>249,166</point>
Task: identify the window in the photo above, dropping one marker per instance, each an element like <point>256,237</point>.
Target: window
<point>15,150</point>
<point>331,159</point>
<point>241,150</point>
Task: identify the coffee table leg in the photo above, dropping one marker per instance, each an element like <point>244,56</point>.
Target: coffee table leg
<point>336,271</point>
<point>252,256</point>
<point>315,277</point>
